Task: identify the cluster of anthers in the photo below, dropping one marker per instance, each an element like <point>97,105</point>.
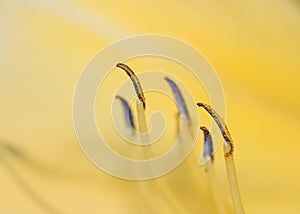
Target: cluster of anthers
<point>228,147</point>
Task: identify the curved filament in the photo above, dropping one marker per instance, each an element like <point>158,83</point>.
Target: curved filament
<point>127,113</point>
<point>182,109</point>
<point>208,145</point>
<point>135,81</point>
<point>219,120</point>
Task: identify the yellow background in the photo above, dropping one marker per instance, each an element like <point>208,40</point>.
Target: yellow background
<point>254,47</point>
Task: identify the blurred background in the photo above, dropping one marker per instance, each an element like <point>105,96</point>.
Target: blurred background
<point>254,47</point>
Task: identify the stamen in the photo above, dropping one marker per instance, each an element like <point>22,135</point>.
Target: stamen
<point>135,81</point>
<point>229,160</point>
<point>127,113</point>
<point>208,145</point>
<point>182,109</point>
<point>222,126</point>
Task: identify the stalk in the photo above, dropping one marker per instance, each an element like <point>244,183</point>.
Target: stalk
<point>228,148</point>
<point>213,185</point>
<point>233,183</point>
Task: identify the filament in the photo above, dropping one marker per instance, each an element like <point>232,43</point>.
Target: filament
<point>127,112</point>
<point>179,99</point>
<point>208,145</point>
<point>135,81</point>
<point>229,160</point>
<point>222,126</point>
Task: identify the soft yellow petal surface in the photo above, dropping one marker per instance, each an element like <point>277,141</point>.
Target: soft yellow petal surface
<point>253,45</point>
